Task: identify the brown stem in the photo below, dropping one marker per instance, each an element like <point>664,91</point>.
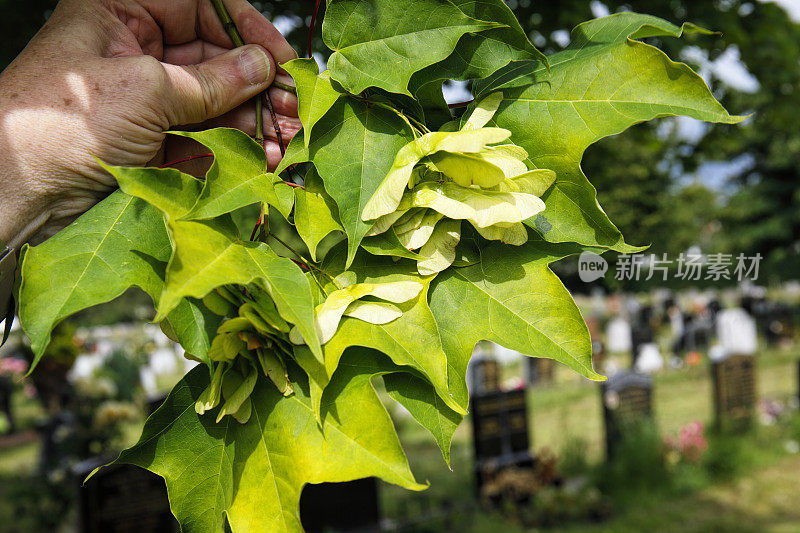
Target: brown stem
<point>275,125</point>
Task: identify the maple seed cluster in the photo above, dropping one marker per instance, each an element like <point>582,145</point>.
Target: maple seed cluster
<point>251,340</point>
<point>441,178</point>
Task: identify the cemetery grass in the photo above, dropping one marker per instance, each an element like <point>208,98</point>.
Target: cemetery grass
<point>569,413</point>
<point>756,494</point>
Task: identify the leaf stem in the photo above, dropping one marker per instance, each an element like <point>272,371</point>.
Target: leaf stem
<point>284,87</point>
<point>305,261</point>
<point>236,37</point>
<point>311,27</point>
<point>185,159</point>
<point>421,127</point>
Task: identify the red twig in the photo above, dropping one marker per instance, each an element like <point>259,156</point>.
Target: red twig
<point>255,229</point>
<point>185,159</point>
<point>311,27</point>
<point>460,104</point>
<point>290,184</point>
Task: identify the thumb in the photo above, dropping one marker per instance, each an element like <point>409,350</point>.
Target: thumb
<point>196,93</point>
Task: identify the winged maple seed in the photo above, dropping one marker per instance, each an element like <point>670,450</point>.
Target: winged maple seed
<point>348,301</point>
<point>444,177</point>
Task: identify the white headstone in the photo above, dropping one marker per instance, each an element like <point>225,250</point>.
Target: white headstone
<point>618,333</point>
<point>649,359</point>
<point>736,331</point>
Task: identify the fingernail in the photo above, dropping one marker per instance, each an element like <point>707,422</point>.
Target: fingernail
<point>255,66</point>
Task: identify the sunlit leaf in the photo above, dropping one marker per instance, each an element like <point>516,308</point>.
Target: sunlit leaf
<point>601,84</point>
<point>382,43</point>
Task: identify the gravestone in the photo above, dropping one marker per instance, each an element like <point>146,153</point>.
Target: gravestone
<point>484,376</point>
<point>6,407</point>
<point>499,434</point>
<point>737,332</point>
<point>349,506</point>
<point>627,400</point>
<point>618,336</point>
<point>123,499</point>
<point>734,379</point>
<point>538,371</point>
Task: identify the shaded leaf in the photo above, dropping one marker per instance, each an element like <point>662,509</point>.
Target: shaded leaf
<point>209,254</point>
<point>353,148</point>
<point>315,213</point>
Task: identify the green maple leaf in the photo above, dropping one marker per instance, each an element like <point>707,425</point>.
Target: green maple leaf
<point>512,298</point>
<point>238,177</point>
<point>353,147</point>
<point>315,212</point>
<point>403,384</point>
<point>192,326</point>
<point>315,92</point>
<point>253,473</point>
<point>382,43</point>
<point>428,409</point>
<point>604,82</point>
<point>118,244</point>
<point>477,55</point>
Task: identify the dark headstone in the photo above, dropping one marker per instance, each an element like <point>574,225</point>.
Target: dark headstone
<point>538,371</point>
<point>734,392</point>
<point>531,370</point>
<point>627,400</point>
<point>499,433</point>
<point>350,506</point>
<point>6,394</point>
<point>484,376</point>
<point>123,499</point>
<point>60,443</point>
<point>641,333</point>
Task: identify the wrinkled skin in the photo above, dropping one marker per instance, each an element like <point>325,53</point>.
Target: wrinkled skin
<point>105,79</point>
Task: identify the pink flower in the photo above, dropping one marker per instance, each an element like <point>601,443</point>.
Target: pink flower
<point>10,366</point>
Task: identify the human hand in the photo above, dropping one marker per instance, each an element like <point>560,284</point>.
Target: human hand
<point>106,79</point>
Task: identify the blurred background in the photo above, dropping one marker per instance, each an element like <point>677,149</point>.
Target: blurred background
<point>698,429</point>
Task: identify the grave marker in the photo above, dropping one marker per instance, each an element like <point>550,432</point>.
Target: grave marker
<point>123,499</point>
<point>499,434</point>
<point>484,376</point>
<point>734,381</point>
<point>538,371</point>
<point>348,506</point>
<point>627,400</point>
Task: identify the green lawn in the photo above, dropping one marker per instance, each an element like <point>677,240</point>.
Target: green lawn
<point>760,499</point>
